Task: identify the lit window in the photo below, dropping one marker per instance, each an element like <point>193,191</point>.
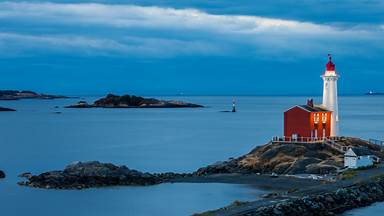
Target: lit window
<point>324,118</point>
<point>316,117</point>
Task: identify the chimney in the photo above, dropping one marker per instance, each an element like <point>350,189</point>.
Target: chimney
<point>310,102</point>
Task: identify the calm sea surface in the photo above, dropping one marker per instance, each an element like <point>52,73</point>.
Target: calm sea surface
<point>37,139</point>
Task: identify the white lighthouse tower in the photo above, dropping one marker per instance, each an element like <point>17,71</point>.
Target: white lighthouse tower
<point>330,100</point>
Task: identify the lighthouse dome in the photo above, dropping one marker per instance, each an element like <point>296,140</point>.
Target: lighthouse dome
<point>330,66</point>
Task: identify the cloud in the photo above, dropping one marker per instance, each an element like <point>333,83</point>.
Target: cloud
<point>60,41</point>
<point>22,44</point>
<point>100,29</point>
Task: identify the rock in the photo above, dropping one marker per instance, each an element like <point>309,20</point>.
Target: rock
<point>331,203</point>
<point>94,174</point>
<point>3,109</point>
<point>128,101</point>
<point>270,195</point>
<point>80,104</point>
<point>27,175</point>
<point>230,166</point>
<point>2,174</point>
<point>289,158</point>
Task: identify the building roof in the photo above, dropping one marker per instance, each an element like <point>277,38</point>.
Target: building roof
<point>315,108</point>
<point>361,151</point>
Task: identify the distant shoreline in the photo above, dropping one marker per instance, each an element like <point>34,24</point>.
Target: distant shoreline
<point>9,95</point>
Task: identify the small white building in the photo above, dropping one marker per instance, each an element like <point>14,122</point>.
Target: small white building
<point>358,157</point>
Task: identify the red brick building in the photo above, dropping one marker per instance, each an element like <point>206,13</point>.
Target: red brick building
<point>307,121</point>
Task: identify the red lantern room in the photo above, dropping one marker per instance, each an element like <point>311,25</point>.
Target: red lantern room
<point>330,66</point>
<point>307,121</point>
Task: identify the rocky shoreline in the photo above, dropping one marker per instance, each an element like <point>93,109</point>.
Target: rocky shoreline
<point>329,199</point>
<point>132,101</point>
<point>336,202</point>
<point>288,158</point>
<point>95,174</point>
<point>290,195</point>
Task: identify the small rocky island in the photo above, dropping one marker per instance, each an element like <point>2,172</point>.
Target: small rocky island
<point>132,101</point>
<point>81,175</point>
<point>90,174</point>
<point>81,104</point>
<point>18,95</point>
<point>3,109</point>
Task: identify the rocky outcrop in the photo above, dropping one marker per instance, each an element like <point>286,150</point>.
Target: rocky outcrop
<point>81,104</point>
<point>337,202</point>
<point>3,109</point>
<point>94,174</point>
<point>289,158</point>
<point>90,174</point>
<point>17,95</point>
<point>2,174</point>
<point>131,101</point>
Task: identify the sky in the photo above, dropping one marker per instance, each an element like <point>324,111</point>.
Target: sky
<point>199,47</point>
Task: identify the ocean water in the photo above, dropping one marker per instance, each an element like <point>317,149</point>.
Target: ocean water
<point>375,209</point>
<point>37,139</point>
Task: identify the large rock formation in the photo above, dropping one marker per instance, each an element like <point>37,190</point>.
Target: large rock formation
<point>17,95</point>
<point>94,174</point>
<point>89,174</point>
<point>131,101</point>
<point>289,158</point>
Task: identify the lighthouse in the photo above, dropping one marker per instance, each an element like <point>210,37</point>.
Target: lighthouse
<point>233,105</point>
<point>330,100</point>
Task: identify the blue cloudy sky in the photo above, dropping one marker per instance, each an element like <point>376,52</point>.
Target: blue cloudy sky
<point>224,47</point>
